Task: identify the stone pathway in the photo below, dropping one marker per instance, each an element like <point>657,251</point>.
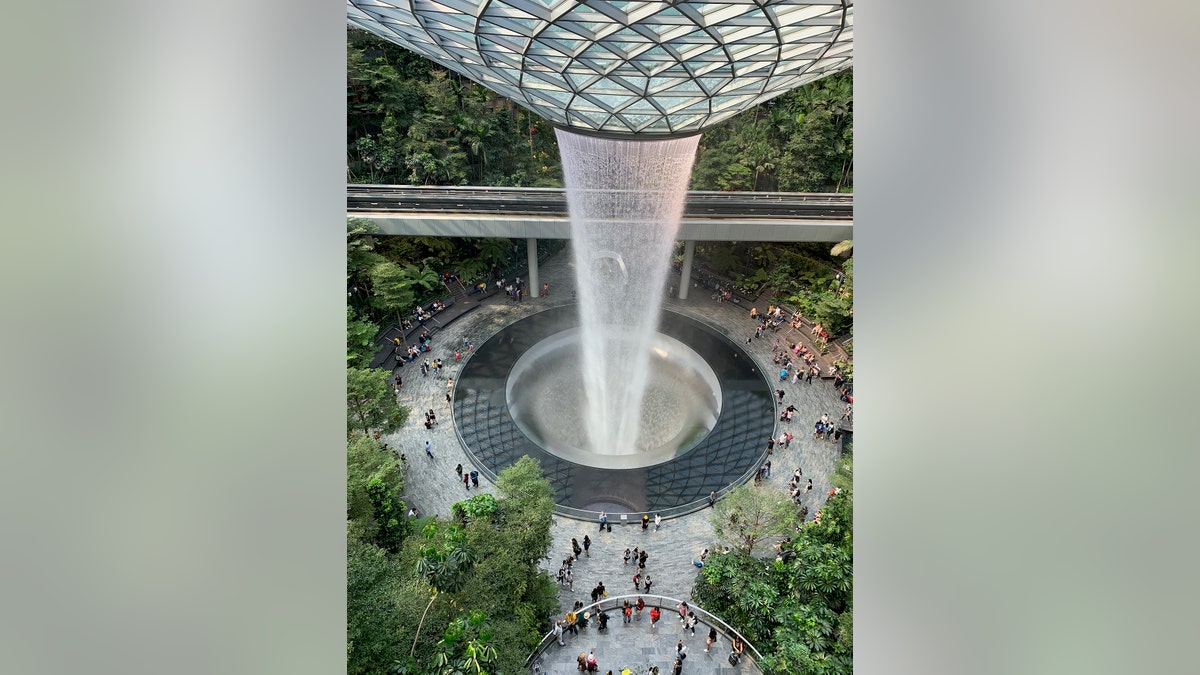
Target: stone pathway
<point>432,484</point>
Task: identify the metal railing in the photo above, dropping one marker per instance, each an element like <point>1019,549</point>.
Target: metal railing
<point>660,601</point>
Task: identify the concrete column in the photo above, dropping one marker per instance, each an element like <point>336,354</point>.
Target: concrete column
<point>685,276</point>
<point>534,288</point>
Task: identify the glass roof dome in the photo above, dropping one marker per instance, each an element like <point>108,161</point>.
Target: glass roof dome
<point>653,69</point>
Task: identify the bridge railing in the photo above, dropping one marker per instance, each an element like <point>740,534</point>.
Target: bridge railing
<point>662,602</point>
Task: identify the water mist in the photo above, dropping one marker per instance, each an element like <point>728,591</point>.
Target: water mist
<point>626,198</point>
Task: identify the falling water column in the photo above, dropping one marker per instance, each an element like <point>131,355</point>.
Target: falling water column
<point>625,199</point>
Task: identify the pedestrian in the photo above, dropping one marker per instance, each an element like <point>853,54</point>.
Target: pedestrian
<point>642,557</point>
<point>779,393</point>
<point>646,584</point>
<point>655,615</point>
<point>428,449</point>
<point>570,578</point>
<point>770,444</point>
<point>712,498</point>
<point>712,637</point>
<point>575,547</point>
<point>645,521</point>
<point>808,487</point>
<point>637,581</point>
<point>641,604</point>
<point>587,544</point>
<point>474,478</point>
<point>768,467</point>
<point>680,648</point>
<point>558,633</point>
<point>592,665</point>
<point>603,520</point>
<point>572,619</point>
<point>627,611</point>
<point>690,623</point>
<point>682,608</point>
<point>678,666</point>
<point>466,479</point>
<point>657,521</point>
<point>458,469</point>
<point>545,290</point>
<point>626,556</point>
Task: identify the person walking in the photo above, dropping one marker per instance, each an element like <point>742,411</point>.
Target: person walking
<point>572,619</point>
<point>466,479</point>
<point>428,449</point>
<point>575,547</point>
<point>645,521</point>
<point>639,606</point>
<point>712,638</point>
<point>657,521</point>
<point>474,478</point>
<point>655,615</point>
<point>626,556</point>
<point>646,584</point>
<point>592,665</point>
<point>558,633</point>
<point>458,470</point>
<point>678,670</point>
<point>627,611</point>
<point>587,545</point>
<point>712,498</point>
<point>690,623</point>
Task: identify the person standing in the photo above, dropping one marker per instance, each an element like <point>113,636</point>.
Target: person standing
<point>572,618</point>
<point>678,670</point>
<point>474,478</point>
<point>458,470</point>
<point>592,665</point>
<point>558,633</point>
<point>712,498</point>
<point>655,615</point>
<point>627,611</point>
<point>712,638</point>
<point>627,556</point>
<point>639,606</point>
<point>657,521</point>
<point>587,544</point>
<point>647,583</point>
<point>575,548</point>
<point>645,521</point>
<point>603,520</point>
<point>690,623</point>
<point>466,479</point>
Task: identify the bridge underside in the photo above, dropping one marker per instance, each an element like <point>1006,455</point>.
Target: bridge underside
<point>516,227</point>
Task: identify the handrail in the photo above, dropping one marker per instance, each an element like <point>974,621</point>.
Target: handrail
<point>660,601</point>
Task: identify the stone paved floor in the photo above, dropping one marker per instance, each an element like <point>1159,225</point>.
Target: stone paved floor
<point>432,485</point>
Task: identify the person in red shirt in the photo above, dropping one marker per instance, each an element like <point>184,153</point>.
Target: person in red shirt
<point>655,615</point>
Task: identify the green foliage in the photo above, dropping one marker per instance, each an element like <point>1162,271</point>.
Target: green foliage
<point>371,402</point>
<point>466,646</point>
<point>749,514</point>
<point>374,485</point>
<point>797,613</point>
<point>480,506</point>
<point>360,340</point>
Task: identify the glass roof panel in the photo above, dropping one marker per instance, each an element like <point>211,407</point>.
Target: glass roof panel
<point>676,67</point>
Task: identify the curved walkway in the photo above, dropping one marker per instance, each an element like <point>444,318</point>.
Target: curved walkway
<point>432,484</point>
<point>641,644</point>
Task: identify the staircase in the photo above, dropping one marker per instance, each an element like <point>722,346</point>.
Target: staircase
<point>457,290</point>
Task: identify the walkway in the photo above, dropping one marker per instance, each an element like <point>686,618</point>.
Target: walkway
<point>432,485</point>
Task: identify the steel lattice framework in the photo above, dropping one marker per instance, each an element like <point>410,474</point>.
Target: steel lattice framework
<point>624,68</point>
